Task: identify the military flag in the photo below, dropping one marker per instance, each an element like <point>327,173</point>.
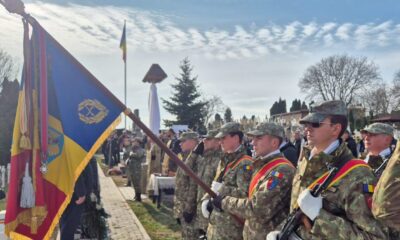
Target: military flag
<point>122,44</point>
<point>64,114</point>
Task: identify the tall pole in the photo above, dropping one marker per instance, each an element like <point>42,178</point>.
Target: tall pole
<point>126,59</point>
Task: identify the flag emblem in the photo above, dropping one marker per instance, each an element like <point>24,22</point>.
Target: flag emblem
<point>91,111</point>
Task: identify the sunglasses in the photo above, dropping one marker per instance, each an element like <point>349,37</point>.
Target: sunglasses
<point>316,124</point>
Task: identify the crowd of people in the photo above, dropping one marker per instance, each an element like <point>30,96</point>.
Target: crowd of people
<point>261,177</point>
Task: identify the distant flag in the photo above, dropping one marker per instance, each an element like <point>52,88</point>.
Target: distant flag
<point>63,116</point>
<point>122,44</point>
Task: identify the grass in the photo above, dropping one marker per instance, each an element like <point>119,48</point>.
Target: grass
<point>2,204</point>
<point>159,223</point>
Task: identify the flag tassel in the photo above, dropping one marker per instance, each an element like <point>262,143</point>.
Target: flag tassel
<point>27,191</point>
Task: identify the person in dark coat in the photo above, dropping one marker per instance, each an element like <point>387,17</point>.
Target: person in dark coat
<point>71,218</point>
<point>298,142</point>
<point>351,143</point>
<point>289,151</point>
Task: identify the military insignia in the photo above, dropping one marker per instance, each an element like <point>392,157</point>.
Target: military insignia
<point>272,183</point>
<point>91,111</point>
<point>277,174</point>
<point>247,167</point>
<point>368,188</point>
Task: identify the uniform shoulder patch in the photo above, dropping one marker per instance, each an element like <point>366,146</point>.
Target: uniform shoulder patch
<point>247,167</point>
<point>368,188</point>
<point>277,174</point>
<point>272,183</point>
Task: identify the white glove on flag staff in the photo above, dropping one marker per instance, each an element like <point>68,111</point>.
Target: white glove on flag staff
<point>216,186</point>
<point>309,204</point>
<point>204,210</point>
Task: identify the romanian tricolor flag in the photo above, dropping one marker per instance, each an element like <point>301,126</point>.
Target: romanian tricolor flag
<point>122,44</point>
<point>64,114</point>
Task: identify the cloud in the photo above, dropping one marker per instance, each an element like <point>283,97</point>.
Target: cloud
<point>99,30</point>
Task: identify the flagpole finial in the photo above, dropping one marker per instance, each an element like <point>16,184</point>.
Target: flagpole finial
<point>14,6</point>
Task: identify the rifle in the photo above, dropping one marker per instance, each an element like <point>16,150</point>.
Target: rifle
<point>293,222</point>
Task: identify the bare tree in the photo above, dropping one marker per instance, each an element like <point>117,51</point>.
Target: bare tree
<point>339,77</point>
<point>7,67</point>
<point>378,99</point>
<point>395,92</point>
<point>214,105</point>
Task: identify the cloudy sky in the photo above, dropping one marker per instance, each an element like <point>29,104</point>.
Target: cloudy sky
<point>247,52</point>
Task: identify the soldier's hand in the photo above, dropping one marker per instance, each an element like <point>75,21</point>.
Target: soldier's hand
<point>199,150</point>
<point>188,217</point>
<point>216,186</point>
<point>273,235</point>
<point>206,208</point>
<point>309,204</point>
<point>307,223</point>
<point>80,200</point>
<point>217,202</point>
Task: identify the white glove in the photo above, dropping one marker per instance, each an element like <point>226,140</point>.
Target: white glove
<point>204,210</point>
<point>309,205</point>
<point>273,235</point>
<point>216,186</point>
<point>130,153</point>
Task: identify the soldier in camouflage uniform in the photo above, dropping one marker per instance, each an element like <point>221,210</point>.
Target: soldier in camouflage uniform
<point>267,204</point>
<point>378,140</point>
<point>386,198</point>
<point>206,170</point>
<point>136,158</point>
<point>186,189</point>
<point>232,179</point>
<point>342,211</point>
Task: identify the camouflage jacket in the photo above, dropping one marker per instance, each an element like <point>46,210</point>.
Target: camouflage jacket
<point>345,213</point>
<point>136,158</point>
<point>386,198</point>
<point>206,170</point>
<point>269,204</point>
<point>236,184</point>
<point>185,188</point>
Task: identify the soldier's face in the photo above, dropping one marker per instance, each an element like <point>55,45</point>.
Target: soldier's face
<point>322,134</point>
<point>230,143</point>
<point>211,143</point>
<point>375,143</point>
<point>264,144</point>
<point>188,145</point>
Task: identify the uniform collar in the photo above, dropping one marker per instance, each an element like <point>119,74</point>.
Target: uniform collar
<point>330,149</point>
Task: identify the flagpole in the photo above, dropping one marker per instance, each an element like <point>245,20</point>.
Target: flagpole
<point>126,59</point>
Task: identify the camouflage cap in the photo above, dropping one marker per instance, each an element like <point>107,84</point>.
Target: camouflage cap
<point>137,139</point>
<point>379,128</point>
<point>319,111</point>
<point>227,128</point>
<point>211,134</point>
<point>188,135</point>
<point>268,128</point>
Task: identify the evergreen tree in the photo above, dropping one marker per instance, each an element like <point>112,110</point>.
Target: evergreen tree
<point>185,103</point>
<point>228,115</point>
<point>8,106</point>
<point>278,107</point>
<point>304,106</point>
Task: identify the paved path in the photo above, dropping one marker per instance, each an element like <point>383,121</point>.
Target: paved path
<point>123,223</point>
